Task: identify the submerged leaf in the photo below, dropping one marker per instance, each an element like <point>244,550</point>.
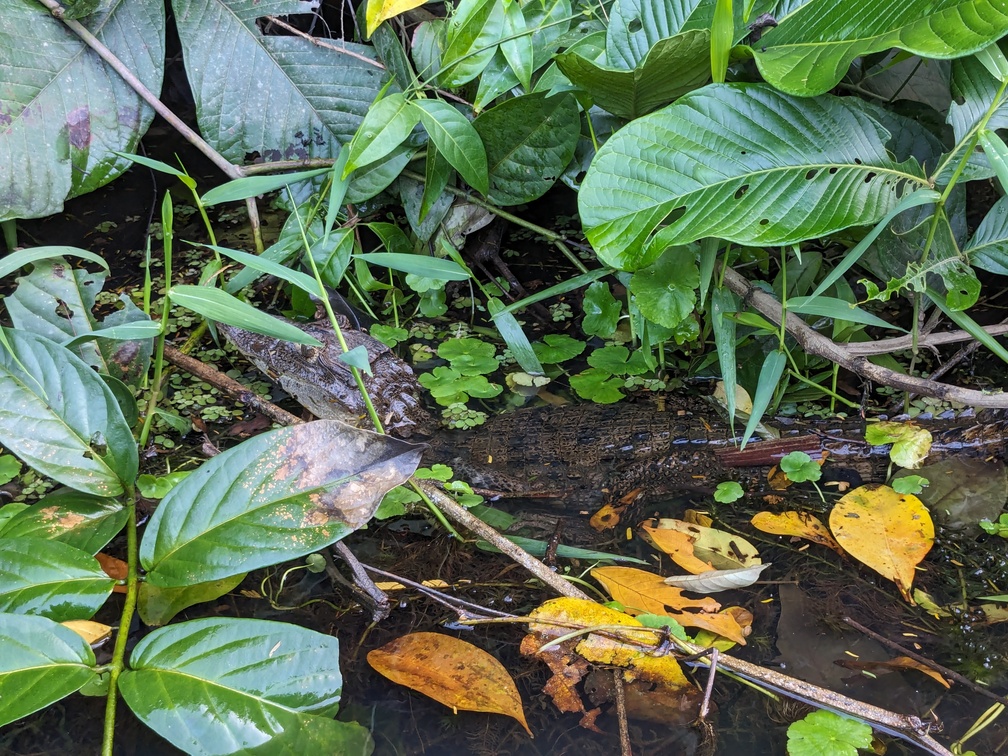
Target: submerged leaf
<point>451,671</point>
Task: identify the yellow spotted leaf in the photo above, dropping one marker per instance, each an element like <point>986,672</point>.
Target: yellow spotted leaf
<point>383,10</point>
<point>797,524</point>
<point>885,530</point>
<point>452,672</point>
<point>910,443</point>
<point>646,593</point>
<point>724,551</point>
<point>624,644</point>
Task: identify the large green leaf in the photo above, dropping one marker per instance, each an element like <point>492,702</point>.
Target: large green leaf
<point>665,292</point>
<point>225,685</point>
<point>387,125</point>
<point>743,163</point>
<point>157,606</point>
<point>529,140</point>
<point>63,111</point>
<point>59,417</point>
<point>635,26</point>
<point>278,496</point>
<point>988,249</point>
<point>811,49</point>
<point>474,30</point>
<point>42,662</point>
<point>673,67</point>
<point>975,92</point>
<point>56,301</point>
<point>274,94</point>
<point>455,139</point>
<point>76,519</point>
<point>51,579</point>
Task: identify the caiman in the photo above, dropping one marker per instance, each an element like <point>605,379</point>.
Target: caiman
<point>585,452</point>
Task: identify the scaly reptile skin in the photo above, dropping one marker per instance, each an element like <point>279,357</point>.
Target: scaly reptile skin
<point>582,450</point>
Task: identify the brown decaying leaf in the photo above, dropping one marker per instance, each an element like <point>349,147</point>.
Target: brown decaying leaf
<point>452,672</point>
<point>114,568</point>
<point>797,524</point>
<point>885,530</point>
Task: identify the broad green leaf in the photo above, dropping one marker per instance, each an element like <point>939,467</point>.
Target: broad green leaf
<point>516,44</point>
<point>988,249</point>
<point>636,26</point>
<point>997,155</point>
<point>60,418</point>
<point>811,49</point>
<point>332,256</point>
<point>673,67</point>
<point>825,732</point>
<point>455,139</point>
<point>276,497</point>
<point>226,685</point>
<point>274,94</point>
<point>382,10</point>
<point>665,292</point>
<point>419,265</point>
<point>601,311</point>
<point>994,61</point>
<point>79,520</point>
<point>158,605</point>
<point>529,140</point>
<point>42,662</point>
<point>428,40</point>
<point>474,31</point>
<point>56,301</point>
<point>370,180</point>
<point>221,306</point>
<point>387,125</point>
<point>252,186</point>
<point>817,166</point>
<point>65,114</point>
<point>14,261</point>
<point>558,347</point>
<point>766,387</point>
<point>50,579</point>
<point>975,93</point>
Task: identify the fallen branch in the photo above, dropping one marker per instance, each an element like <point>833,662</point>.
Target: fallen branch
<point>815,343</point>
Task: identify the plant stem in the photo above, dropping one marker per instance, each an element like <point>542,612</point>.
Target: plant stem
<point>125,620</point>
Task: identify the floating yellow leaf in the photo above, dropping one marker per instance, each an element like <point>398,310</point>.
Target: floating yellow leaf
<point>724,551</point>
<point>911,443</point>
<point>887,531</point>
<point>899,663</point>
<point>797,524</point>
<point>632,647</point>
<point>646,593</point>
<point>724,623</point>
<point>452,672</point>
<point>383,10</point>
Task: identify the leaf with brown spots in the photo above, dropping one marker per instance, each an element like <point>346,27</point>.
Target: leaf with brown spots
<point>276,497</point>
<point>798,525</point>
<point>452,672</point>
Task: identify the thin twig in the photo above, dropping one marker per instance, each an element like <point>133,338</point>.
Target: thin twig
<point>944,671</point>
<point>452,602</point>
<point>621,713</point>
<point>886,346</point>
<point>318,42</point>
<point>380,606</point>
<point>814,342</point>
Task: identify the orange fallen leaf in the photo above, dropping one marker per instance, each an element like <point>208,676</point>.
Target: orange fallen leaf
<point>451,671</point>
<point>677,545</point>
<point>885,530</point>
<point>707,639</point>
<point>92,632</point>
<point>116,569</point>
<point>644,592</point>
<point>724,623</point>
<point>797,524</point>
<point>723,550</point>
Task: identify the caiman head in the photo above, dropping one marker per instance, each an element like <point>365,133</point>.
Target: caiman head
<point>324,384</point>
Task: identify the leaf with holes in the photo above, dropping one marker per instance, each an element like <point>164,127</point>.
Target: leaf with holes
<point>811,49</point>
<point>741,162</point>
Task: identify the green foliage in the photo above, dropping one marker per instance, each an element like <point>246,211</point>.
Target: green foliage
<point>909,484</point>
<point>799,467</point>
<point>825,732</point>
<point>999,528</point>
<point>728,491</point>
<point>448,386</point>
